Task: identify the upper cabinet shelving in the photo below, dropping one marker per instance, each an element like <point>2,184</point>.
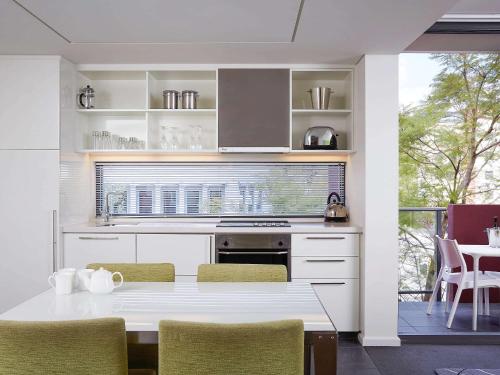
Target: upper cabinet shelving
<point>129,104</point>
<point>339,80</point>
<point>339,112</point>
<point>117,90</point>
<point>205,82</point>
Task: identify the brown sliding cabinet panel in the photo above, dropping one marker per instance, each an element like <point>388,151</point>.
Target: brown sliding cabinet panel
<point>254,110</point>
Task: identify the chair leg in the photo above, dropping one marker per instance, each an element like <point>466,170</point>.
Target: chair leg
<point>455,304</point>
<point>487,301</point>
<point>449,293</point>
<point>435,291</point>
<point>480,305</point>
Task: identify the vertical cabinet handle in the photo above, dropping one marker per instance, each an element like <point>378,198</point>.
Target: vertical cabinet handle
<point>54,240</point>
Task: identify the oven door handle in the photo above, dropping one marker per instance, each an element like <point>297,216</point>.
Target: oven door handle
<point>253,252</point>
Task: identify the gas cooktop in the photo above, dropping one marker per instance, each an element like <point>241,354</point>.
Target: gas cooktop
<point>254,223</point>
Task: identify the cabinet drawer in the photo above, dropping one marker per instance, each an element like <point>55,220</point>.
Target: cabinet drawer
<point>325,267</point>
<point>341,302</point>
<point>185,251</point>
<point>81,249</point>
<point>325,244</point>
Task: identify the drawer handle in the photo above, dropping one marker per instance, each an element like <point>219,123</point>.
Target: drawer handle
<point>98,238</point>
<point>326,260</point>
<point>339,283</point>
<point>325,238</point>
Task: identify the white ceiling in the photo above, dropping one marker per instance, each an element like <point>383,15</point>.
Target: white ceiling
<point>159,21</point>
<point>214,31</point>
<point>462,42</point>
<point>475,7</point>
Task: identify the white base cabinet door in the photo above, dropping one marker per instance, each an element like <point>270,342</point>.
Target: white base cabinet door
<point>340,298</point>
<point>185,251</point>
<point>81,249</point>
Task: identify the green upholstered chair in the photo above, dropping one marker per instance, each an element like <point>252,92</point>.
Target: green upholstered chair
<point>141,355</point>
<point>97,346</point>
<point>140,272</point>
<point>270,348</point>
<point>241,273</point>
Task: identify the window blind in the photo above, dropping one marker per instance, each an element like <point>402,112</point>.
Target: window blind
<point>218,189</point>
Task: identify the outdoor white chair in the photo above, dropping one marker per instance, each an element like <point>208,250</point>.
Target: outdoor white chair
<point>451,258</point>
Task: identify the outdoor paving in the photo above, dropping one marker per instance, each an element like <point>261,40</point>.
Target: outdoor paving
<point>413,320</point>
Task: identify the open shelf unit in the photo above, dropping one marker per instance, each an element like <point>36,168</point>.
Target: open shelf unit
<point>339,114</point>
<point>129,103</point>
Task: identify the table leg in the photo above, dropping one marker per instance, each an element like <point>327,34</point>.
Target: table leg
<point>324,352</point>
<point>474,294</point>
<point>307,352</point>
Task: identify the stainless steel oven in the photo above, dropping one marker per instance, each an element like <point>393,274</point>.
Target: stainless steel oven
<point>254,249</point>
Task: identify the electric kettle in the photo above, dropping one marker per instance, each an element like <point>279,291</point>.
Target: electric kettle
<point>335,211</point>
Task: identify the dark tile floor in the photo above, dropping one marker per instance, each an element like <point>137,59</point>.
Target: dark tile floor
<point>353,358</point>
<point>411,359</point>
<point>413,320</point>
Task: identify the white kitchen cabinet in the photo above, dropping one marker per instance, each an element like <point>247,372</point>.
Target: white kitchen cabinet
<point>335,244</point>
<point>340,298</point>
<point>330,262</point>
<point>29,197</point>
<point>29,118</point>
<point>129,102</point>
<point>81,249</point>
<point>185,251</point>
<point>325,267</point>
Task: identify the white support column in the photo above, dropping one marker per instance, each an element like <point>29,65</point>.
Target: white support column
<point>373,196</point>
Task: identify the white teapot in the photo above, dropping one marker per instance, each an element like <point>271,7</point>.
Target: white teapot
<point>101,281</point>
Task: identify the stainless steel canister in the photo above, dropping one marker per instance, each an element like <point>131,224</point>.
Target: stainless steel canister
<point>320,97</point>
<point>171,99</point>
<point>190,99</point>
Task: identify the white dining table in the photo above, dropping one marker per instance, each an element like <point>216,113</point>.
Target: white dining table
<point>143,305</point>
<point>476,252</point>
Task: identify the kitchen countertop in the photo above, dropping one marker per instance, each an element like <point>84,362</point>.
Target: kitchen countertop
<point>207,227</point>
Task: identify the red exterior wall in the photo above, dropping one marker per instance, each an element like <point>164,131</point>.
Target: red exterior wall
<point>466,224</point>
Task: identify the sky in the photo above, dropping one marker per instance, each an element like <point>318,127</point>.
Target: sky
<point>416,71</point>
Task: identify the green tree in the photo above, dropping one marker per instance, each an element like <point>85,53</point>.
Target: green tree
<point>448,140</point>
<point>444,145</point>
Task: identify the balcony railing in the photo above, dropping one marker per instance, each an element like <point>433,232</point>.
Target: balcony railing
<point>419,259</point>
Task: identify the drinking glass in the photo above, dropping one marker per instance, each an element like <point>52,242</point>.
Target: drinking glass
<point>106,140</point>
<point>96,140</point>
<point>197,132</point>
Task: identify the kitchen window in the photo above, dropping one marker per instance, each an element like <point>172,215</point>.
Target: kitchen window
<point>216,199</point>
<point>221,189</point>
<point>192,199</point>
<point>170,199</point>
<point>144,200</point>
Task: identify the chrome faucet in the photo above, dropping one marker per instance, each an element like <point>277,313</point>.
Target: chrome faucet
<point>107,213</point>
